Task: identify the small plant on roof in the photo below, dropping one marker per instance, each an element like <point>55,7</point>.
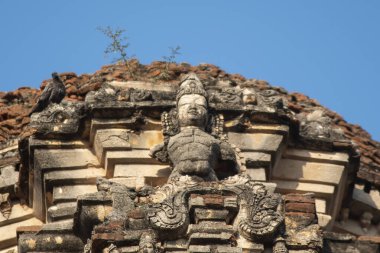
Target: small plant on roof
<point>174,51</point>
<point>119,45</point>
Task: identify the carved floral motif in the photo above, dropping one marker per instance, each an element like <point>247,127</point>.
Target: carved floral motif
<point>260,211</point>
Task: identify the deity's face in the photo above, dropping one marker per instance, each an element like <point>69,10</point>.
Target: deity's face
<point>192,111</point>
<point>365,220</point>
<point>148,248</point>
<point>249,96</point>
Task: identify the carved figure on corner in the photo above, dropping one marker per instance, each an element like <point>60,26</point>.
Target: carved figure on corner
<point>54,92</point>
<point>194,143</point>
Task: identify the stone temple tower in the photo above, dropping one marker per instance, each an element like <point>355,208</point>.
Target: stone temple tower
<point>204,162</point>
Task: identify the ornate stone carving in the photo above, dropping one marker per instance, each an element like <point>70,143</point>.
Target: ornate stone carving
<point>148,243</point>
<point>113,94</point>
<point>316,125</point>
<point>272,98</point>
<point>268,100</point>
<point>140,95</point>
<point>58,119</point>
<point>194,141</point>
<point>207,204</point>
<point>260,211</point>
<point>106,93</point>
<point>226,96</point>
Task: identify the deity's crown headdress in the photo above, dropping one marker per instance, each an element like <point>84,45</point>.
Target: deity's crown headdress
<point>191,84</point>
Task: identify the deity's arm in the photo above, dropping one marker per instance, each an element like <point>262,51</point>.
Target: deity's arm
<point>227,153</point>
<point>160,153</point>
<point>228,157</point>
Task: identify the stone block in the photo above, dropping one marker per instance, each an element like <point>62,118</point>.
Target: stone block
<point>202,214</point>
<point>199,249</point>
<point>231,203</point>
<point>18,213</point>
<point>139,182</point>
<point>228,249</point>
<point>206,200</point>
<point>143,85</point>
<point>320,205</point>
<point>141,170</point>
<point>9,250</point>
<point>324,220</point>
<point>63,158</point>
<point>257,159</point>
<point>370,239</point>
<point>258,174</point>
<point>8,232</point>
<point>212,227</point>
<point>316,156</point>
<point>302,251</point>
<point>130,182</point>
<point>256,141</point>
<point>62,227</point>
<point>125,123</point>
<point>146,139</point>
<point>265,128</point>
<point>49,242</point>
<point>62,211</point>
<point>249,247</point>
<point>111,139</point>
<point>8,176</point>
<point>196,201</point>
<point>71,192</point>
<point>308,171</point>
<point>79,176</point>
<point>127,157</point>
<point>300,207</point>
<point>177,245</point>
<point>206,238</point>
<point>299,198</point>
<point>298,187</point>
<point>35,143</point>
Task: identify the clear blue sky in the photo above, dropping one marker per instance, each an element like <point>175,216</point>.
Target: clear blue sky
<point>328,50</point>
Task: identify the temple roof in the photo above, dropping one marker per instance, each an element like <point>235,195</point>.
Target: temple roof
<point>15,105</point>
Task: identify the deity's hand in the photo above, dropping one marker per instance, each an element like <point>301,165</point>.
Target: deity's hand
<point>159,152</point>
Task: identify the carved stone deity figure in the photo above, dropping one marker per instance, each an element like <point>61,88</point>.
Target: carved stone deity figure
<point>193,143</point>
<point>366,221</point>
<point>148,243</point>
